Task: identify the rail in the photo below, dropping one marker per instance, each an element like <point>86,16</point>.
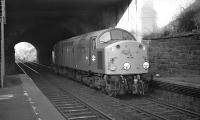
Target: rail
<point>68,105</point>
<point>142,107</point>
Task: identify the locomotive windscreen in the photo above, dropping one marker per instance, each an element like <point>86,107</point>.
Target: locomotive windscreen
<point>116,34</point>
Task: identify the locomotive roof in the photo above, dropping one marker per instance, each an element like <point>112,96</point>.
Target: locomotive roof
<point>87,35</point>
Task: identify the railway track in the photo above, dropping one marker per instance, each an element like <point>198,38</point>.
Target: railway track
<point>148,108</point>
<point>68,105</point>
<point>126,109</point>
<point>71,104</point>
<point>168,112</point>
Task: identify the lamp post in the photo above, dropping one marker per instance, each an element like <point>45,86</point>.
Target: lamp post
<point>2,42</point>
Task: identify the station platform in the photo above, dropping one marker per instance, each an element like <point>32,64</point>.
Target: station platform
<point>192,81</point>
<point>22,100</point>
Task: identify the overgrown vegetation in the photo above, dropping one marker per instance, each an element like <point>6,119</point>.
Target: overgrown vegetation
<point>187,21</point>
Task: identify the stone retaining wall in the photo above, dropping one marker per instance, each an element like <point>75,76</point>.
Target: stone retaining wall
<point>175,55</point>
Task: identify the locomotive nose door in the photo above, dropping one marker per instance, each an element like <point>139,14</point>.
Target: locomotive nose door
<point>92,53</point>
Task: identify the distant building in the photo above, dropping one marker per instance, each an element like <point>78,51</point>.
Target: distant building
<point>148,18</point>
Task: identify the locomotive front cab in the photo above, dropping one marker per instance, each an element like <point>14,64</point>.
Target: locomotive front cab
<point>126,57</point>
<point>125,61</point>
<point>123,54</point>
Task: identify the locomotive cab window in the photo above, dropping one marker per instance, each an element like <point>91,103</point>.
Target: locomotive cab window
<point>127,36</point>
<point>105,37</point>
<point>121,35</point>
<point>115,35</point>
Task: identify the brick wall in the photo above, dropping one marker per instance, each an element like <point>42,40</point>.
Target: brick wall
<point>176,55</point>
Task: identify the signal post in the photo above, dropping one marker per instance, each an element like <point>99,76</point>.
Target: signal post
<point>2,43</point>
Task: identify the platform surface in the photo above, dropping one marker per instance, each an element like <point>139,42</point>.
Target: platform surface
<point>191,81</point>
<point>22,100</point>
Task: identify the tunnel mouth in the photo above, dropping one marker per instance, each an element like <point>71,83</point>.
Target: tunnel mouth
<point>25,52</point>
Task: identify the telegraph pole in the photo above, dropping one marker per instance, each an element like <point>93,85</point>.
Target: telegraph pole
<point>2,43</point>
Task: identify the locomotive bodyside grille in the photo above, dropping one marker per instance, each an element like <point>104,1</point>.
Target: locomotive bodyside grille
<point>100,60</point>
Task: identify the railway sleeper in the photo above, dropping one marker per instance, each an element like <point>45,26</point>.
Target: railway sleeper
<point>73,107</point>
<point>81,113</point>
<point>63,101</point>
<point>87,117</point>
<point>76,111</point>
<point>70,104</point>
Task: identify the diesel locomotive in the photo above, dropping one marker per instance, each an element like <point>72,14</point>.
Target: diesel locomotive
<point>111,60</point>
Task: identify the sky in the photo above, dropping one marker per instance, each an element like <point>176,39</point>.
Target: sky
<point>168,9</point>
<point>151,14</point>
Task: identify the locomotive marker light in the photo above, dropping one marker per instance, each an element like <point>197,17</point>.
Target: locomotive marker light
<point>142,47</point>
<point>118,46</point>
<point>127,66</point>
<point>146,65</point>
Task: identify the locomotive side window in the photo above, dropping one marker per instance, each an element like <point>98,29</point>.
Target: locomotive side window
<point>93,43</point>
<point>105,37</point>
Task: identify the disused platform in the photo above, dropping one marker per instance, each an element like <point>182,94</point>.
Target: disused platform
<point>183,92</point>
<point>188,85</point>
<point>22,100</point>
<point>188,81</point>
